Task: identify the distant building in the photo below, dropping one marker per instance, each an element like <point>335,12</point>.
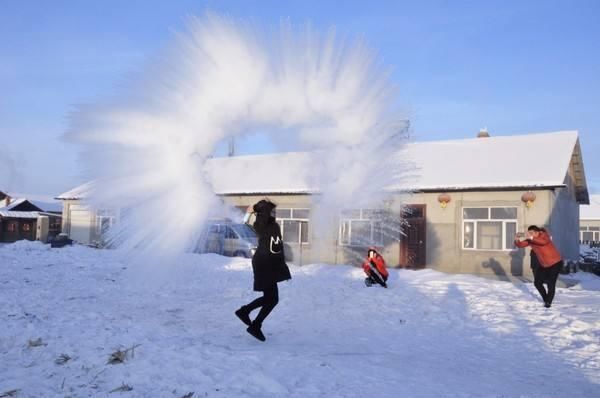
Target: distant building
<point>467,200</point>
<point>589,224</point>
<point>21,218</point>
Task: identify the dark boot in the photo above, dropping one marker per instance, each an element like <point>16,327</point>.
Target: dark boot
<point>244,315</point>
<point>254,330</point>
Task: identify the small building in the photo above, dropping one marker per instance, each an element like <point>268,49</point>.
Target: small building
<point>589,224</point>
<point>80,221</point>
<point>459,209</point>
<point>21,218</point>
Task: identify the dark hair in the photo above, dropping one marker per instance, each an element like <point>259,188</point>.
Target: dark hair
<point>536,228</point>
<point>263,209</point>
<point>264,206</point>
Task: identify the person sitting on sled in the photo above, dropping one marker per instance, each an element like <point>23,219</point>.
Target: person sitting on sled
<point>374,267</point>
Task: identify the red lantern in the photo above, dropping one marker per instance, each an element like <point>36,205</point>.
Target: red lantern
<point>444,199</point>
<point>528,198</point>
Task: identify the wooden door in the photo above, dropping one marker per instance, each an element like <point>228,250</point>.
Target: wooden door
<point>413,242</point>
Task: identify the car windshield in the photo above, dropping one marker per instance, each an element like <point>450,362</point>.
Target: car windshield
<point>244,231</point>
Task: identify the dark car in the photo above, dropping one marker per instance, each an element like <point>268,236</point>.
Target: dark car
<point>61,240</point>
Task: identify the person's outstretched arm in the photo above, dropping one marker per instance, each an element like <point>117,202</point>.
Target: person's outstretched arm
<point>541,240</point>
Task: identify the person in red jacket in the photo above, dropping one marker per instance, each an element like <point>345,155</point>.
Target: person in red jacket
<point>374,267</point>
<point>550,260</point>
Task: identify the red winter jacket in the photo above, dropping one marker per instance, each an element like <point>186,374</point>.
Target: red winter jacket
<point>379,263</point>
<point>543,247</point>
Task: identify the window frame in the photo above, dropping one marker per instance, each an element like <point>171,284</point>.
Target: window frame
<point>104,214</point>
<point>475,223</point>
<point>303,222</point>
<point>347,220</point>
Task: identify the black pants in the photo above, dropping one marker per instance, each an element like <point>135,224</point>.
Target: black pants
<point>266,303</point>
<point>376,278</point>
<point>549,276</point>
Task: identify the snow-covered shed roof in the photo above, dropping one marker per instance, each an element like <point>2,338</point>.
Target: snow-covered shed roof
<point>591,211</point>
<point>498,162</point>
<point>79,192</point>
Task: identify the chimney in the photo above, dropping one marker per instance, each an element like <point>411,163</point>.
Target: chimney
<point>7,200</point>
<point>483,133</point>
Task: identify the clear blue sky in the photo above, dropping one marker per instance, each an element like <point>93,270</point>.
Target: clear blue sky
<point>511,66</point>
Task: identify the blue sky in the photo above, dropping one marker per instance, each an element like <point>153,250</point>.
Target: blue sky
<point>511,66</point>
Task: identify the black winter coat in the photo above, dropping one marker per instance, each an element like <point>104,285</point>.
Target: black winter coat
<point>268,263</point>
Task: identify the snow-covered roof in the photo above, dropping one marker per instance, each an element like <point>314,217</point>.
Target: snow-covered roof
<point>500,162</point>
<point>258,174</point>
<point>591,211</point>
<point>13,203</point>
<point>43,202</point>
<point>19,214</point>
<point>79,192</point>
<point>497,162</point>
<point>520,161</point>
<point>51,206</point>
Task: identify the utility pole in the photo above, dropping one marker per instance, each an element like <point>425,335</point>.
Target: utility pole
<point>231,151</point>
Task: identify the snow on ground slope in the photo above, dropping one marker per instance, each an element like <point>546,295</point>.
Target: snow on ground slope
<point>428,335</point>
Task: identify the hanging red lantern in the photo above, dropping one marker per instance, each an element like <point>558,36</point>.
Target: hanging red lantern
<point>528,198</point>
<point>444,199</point>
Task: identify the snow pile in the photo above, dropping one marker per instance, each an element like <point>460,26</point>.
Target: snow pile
<point>428,335</point>
<point>148,149</point>
<point>583,280</point>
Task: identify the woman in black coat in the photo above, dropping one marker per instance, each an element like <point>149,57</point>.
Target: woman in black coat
<point>268,265</point>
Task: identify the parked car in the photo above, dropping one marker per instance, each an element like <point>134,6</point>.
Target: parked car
<point>227,238</point>
<point>590,261</point>
<point>61,240</point>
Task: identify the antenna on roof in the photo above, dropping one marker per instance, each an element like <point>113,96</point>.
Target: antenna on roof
<point>231,151</point>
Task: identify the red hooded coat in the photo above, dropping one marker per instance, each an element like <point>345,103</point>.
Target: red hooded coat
<point>379,263</point>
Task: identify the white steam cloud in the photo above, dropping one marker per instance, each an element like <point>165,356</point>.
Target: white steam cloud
<point>147,149</point>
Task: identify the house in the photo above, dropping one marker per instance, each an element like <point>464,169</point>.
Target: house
<point>21,218</point>
<point>589,224</point>
<point>460,209</point>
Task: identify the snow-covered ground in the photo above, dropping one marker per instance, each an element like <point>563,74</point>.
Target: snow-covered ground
<point>428,335</point>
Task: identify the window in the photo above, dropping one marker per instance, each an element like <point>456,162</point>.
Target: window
<point>229,234</point>
<point>294,225</point>
<point>105,219</point>
<point>55,224</point>
<point>361,227</point>
<point>587,236</point>
<point>489,228</point>
<point>11,227</point>
<point>244,231</point>
<point>26,227</point>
